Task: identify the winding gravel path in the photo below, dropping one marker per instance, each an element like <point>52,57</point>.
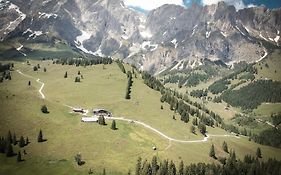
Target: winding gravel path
<point>205,139</point>
<point>38,81</point>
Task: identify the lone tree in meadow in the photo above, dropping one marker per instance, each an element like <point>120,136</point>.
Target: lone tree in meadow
<point>44,109</point>
<point>212,152</point>
<point>113,125</point>
<point>258,153</point>
<point>101,120</point>
<point>65,75</point>
<point>35,68</point>
<point>19,157</point>
<point>78,159</point>
<point>77,79</point>
<point>225,147</point>
<point>22,142</point>
<point>40,136</point>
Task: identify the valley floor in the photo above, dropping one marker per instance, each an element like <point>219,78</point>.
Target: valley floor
<point>100,147</point>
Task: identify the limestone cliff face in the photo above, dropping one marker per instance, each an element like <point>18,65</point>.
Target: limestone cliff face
<point>169,37</point>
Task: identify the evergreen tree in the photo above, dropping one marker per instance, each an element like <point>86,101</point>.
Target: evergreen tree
<point>154,165</point>
<point>78,159</point>
<point>77,79</point>
<point>113,125</point>
<point>65,75</point>
<point>79,72</point>
<point>44,109</point>
<point>40,136</point>
<point>138,167</point>
<point>225,147</point>
<point>9,137</point>
<point>19,157</point>
<point>147,169</point>
<point>29,83</point>
<point>21,142</point>
<point>172,169</point>
<point>9,150</point>
<point>181,168</point>
<point>45,69</point>
<point>258,153</point>
<point>14,139</point>
<point>101,120</point>
<point>35,68</point>
<point>212,152</point>
<point>161,107</point>
<point>103,172</point>
<point>26,141</point>
<point>202,128</point>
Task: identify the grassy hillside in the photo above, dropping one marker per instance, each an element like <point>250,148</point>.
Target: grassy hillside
<point>100,147</point>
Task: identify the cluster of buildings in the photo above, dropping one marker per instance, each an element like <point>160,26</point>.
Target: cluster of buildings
<point>95,114</point>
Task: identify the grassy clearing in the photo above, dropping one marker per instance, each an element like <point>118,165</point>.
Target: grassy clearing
<point>100,147</point>
<point>270,68</point>
<point>266,109</point>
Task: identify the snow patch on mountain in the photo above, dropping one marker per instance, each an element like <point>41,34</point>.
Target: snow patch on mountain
<point>47,15</point>
<point>80,39</point>
<point>175,42</point>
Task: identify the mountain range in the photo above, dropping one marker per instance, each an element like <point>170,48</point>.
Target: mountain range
<point>169,37</point>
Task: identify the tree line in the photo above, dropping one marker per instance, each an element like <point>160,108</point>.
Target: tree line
<point>250,165</point>
<point>252,95</point>
<point>83,61</point>
<point>129,85</point>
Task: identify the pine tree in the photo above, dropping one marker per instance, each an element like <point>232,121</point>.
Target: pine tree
<point>29,83</point>
<point>9,137</point>
<point>19,157</point>
<point>138,167</point>
<point>26,141</point>
<point>77,80</point>
<point>14,139</point>
<point>78,159</point>
<point>212,152</point>
<point>21,142</point>
<point>79,72</point>
<point>172,169</point>
<point>181,168</point>
<point>113,125</point>
<point>161,107</point>
<point>45,69</point>
<point>44,109</point>
<point>40,136</point>
<point>65,75</point>
<point>258,153</point>
<point>225,147</point>
<point>9,150</point>
<point>103,172</point>
<point>101,120</point>
<point>154,165</point>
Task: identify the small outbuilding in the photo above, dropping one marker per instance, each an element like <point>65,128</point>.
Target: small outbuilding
<point>102,112</point>
<point>79,110</point>
<point>89,119</point>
